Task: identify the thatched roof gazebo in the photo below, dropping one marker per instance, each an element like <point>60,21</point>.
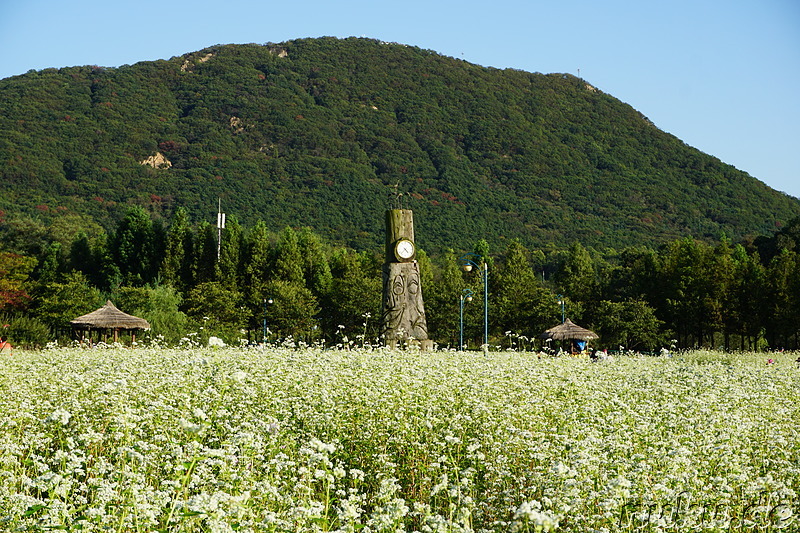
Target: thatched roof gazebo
<point>109,318</point>
<point>569,331</point>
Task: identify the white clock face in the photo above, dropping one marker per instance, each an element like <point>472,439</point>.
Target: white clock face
<point>405,249</point>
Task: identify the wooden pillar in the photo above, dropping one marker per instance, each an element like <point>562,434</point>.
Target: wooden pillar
<point>403,310</point>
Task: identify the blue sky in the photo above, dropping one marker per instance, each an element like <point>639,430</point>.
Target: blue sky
<point>722,75</point>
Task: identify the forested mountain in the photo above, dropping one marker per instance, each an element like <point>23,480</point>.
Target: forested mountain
<point>316,132</point>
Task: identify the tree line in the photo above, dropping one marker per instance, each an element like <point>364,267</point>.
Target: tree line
<point>257,284</point>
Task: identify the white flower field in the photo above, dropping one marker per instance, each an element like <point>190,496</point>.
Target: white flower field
<point>303,440</point>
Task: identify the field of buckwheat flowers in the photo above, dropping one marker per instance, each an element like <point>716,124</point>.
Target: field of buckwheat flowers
<point>279,439</point>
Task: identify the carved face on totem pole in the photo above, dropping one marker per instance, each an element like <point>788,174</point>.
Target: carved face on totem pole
<point>403,310</point>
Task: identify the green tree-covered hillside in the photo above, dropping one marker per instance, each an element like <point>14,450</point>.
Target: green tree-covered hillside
<point>316,132</point>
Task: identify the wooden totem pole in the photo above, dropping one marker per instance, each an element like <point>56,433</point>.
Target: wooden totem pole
<point>403,314</point>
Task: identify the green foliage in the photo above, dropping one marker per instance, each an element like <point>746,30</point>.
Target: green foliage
<point>48,267</point>
<point>158,305</point>
<point>354,297</point>
<point>176,265</point>
<point>288,261</point>
<point>257,259</point>
<point>576,278</point>
<point>162,312</point>
<point>521,304</point>
<point>25,331</point>
<point>786,238</point>
<point>702,295</point>
<point>441,298</point>
<point>58,302</point>
<point>312,132</point>
<point>132,300</point>
<point>231,252</point>
<point>292,311</point>
<point>783,297</point>
<point>136,247</point>
<point>206,266</point>
<point>631,324</point>
<point>748,297</point>
<point>316,269</point>
<point>218,309</point>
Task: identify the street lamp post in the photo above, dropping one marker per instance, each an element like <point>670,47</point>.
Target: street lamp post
<point>264,328</point>
<point>466,295</point>
<point>468,262</point>
<point>561,302</point>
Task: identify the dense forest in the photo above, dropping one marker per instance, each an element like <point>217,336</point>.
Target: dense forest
<point>111,177</point>
<point>257,285</point>
<point>316,132</point>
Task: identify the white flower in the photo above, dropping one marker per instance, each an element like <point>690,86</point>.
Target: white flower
<point>531,513</point>
<point>216,342</point>
<point>59,416</point>
<point>189,427</point>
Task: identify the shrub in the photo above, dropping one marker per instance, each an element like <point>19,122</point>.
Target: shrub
<point>26,332</point>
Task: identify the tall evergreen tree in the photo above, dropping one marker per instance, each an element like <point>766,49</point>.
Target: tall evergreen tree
<point>81,257</point>
<point>134,248</point>
<point>746,309</point>
<point>719,272</point>
<point>521,304</point>
<point>176,267</point>
<point>316,269</point>
<point>256,263</point>
<point>684,288</point>
<point>231,254</point>
<point>783,322</point>
<point>50,265</point>
<point>442,299</point>
<point>288,263</point>
<point>576,278</point>
<point>206,266</point>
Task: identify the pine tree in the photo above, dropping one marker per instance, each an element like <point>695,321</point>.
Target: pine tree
<point>316,269</point>
<point>231,254</point>
<point>206,267</point>
<point>133,247</point>
<point>521,304</point>
<point>176,268</point>
<point>288,261</point>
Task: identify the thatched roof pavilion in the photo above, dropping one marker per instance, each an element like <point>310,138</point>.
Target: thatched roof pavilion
<point>568,331</point>
<point>109,318</point>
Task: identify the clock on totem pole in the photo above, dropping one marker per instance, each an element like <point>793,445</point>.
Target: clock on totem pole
<point>403,310</point>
